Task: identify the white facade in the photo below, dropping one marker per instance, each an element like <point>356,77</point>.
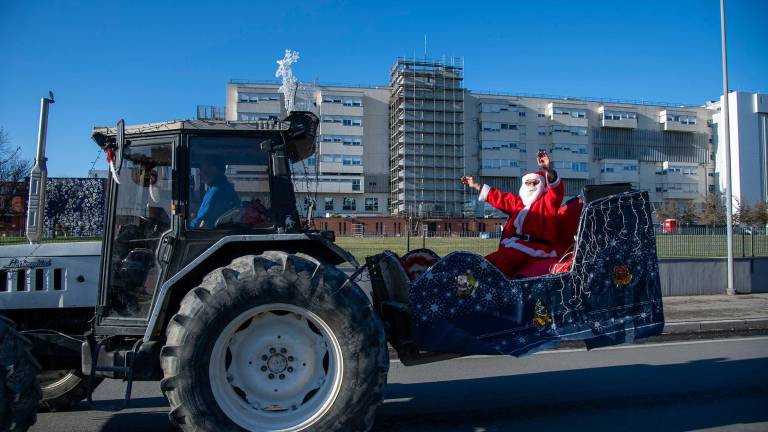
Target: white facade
<point>350,173</point>
<point>748,124</point>
<point>666,150</point>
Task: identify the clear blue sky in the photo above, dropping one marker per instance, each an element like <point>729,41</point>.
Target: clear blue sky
<point>155,61</point>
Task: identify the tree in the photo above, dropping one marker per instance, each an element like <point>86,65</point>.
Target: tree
<point>760,214</point>
<point>713,210</point>
<point>743,213</point>
<point>689,215</point>
<point>668,210</point>
<point>13,170</point>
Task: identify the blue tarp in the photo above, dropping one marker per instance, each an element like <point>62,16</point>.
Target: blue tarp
<point>612,294</point>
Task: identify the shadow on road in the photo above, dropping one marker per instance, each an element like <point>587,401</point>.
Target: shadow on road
<point>114,404</point>
<point>133,422</point>
<point>677,397</point>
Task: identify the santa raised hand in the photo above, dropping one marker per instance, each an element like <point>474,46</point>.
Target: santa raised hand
<point>528,241</point>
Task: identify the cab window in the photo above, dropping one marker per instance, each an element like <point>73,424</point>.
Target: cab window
<point>228,184</point>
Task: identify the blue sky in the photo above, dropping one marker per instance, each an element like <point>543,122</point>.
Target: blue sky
<point>155,61</point>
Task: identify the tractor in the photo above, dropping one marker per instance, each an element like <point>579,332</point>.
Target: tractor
<point>211,282</point>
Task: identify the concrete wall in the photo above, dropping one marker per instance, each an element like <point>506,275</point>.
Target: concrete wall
<point>702,276</point>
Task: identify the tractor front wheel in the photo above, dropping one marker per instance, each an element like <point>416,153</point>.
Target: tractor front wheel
<point>275,342</point>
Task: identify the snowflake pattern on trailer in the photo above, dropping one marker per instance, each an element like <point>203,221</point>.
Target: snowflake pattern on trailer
<point>497,318</point>
<point>74,206</point>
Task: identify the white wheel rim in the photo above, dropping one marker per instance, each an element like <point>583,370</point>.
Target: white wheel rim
<point>276,367</point>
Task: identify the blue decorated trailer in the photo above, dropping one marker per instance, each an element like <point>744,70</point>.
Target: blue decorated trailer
<point>462,305</point>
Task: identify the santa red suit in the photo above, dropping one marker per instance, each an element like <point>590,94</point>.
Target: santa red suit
<point>530,237</point>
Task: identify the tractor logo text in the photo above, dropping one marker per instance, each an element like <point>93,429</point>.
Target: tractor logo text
<point>16,263</point>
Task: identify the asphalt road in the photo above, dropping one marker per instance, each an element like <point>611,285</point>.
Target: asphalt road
<point>676,386</point>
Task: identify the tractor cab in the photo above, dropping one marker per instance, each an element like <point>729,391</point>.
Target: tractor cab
<point>177,188</point>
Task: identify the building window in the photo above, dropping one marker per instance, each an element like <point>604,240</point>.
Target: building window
<point>257,97</point>
<point>351,160</point>
<point>540,115</point>
<point>619,115</point>
<point>573,112</point>
<point>329,204</point>
<point>355,184</point>
<point>372,204</point>
<point>497,145</point>
<point>508,126</point>
<point>542,130</point>
<point>573,130</point>
<point>349,204</point>
<point>343,120</point>
<point>490,126</point>
<point>351,101</point>
<point>498,163</point>
<point>682,119</point>
<point>253,116</point>
<point>497,107</point>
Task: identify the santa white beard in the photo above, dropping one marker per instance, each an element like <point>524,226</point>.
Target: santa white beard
<point>529,194</point>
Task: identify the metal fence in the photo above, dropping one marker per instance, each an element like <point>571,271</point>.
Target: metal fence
<point>686,242</point>
<point>8,238</point>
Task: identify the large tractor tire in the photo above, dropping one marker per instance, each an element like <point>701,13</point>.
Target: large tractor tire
<point>19,390</point>
<point>275,342</point>
<point>63,389</point>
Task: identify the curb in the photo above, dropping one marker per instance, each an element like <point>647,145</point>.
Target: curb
<point>682,327</point>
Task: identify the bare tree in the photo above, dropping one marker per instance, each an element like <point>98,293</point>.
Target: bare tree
<point>13,170</point>
<point>713,210</point>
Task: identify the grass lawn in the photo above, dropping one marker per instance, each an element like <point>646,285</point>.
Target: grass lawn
<point>667,246</point>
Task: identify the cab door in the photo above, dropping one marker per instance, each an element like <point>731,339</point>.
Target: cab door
<point>139,224</point>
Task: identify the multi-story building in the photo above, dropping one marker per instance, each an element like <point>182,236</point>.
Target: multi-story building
<point>652,146</point>
<point>748,124</point>
<point>349,175</point>
<point>401,149</point>
<point>426,140</point>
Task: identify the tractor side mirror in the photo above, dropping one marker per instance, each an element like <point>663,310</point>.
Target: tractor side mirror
<point>300,137</point>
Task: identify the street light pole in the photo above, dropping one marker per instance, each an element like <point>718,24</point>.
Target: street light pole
<point>725,114</point>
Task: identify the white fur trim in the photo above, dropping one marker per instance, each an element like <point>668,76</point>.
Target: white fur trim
<point>520,219</point>
<point>553,184</point>
<point>533,176</point>
<point>484,193</point>
<point>512,243</point>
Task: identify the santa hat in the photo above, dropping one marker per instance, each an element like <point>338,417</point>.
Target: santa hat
<point>538,175</point>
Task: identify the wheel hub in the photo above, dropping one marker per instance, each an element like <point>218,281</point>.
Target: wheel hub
<point>277,363</point>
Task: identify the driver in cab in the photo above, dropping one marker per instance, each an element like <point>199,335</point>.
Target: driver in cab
<point>219,197</point>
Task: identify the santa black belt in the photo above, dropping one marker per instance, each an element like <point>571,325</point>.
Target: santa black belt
<point>530,238</point>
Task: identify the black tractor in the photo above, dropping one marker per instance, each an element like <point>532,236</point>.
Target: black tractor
<point>212,283</point>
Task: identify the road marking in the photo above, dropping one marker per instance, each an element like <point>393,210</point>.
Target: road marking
<point>619,347</point>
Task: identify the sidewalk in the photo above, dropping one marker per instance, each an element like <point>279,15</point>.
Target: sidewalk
<point>715,313</point>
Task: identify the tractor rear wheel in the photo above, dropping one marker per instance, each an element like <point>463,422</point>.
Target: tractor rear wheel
<point>276,341</point>
<point>19,389</point>
<point>63,389</point>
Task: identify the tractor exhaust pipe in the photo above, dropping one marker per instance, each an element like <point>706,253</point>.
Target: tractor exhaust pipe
<point>38,177</point>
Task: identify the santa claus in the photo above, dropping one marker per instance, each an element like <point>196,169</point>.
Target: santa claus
<point>530,238</point>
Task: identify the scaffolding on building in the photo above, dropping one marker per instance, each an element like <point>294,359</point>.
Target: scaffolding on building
<point>426,137</point>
